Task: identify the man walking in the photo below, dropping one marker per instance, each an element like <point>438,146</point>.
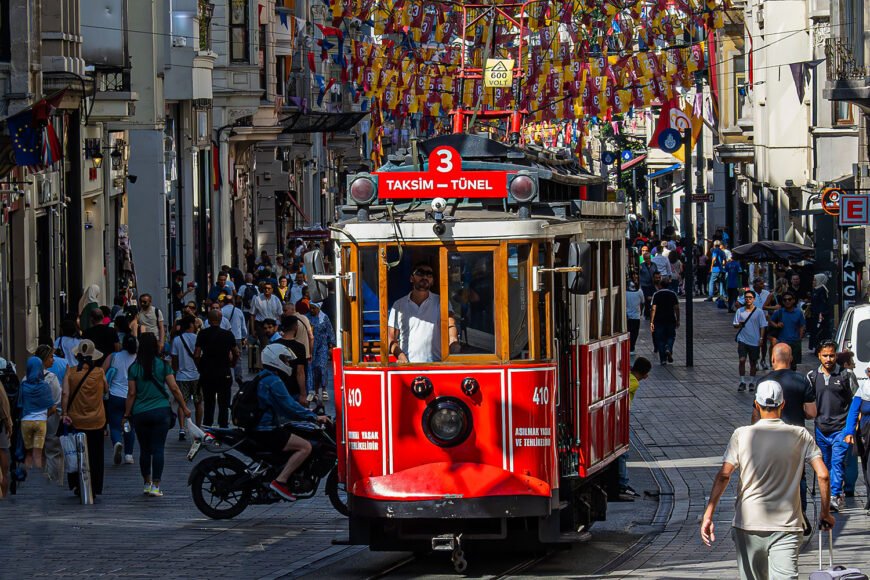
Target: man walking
<point>768,523</point>
<point>216,353</point>
<point>792,325</point>
<point>717,271</point>
<point>799,395</point>
<point>264,306</point>
<point>750,322</point>
<point>833,398</point>
<point>665,321</point>
<point>648,271</point>
<point>761,296</point>
<point>150,319</point>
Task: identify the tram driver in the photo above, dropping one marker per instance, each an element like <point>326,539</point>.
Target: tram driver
<point>414,324</point>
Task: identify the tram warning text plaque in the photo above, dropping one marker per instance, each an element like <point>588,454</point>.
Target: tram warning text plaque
<point>444,178</point>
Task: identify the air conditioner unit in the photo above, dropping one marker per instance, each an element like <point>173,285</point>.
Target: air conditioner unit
<point>179,41</point>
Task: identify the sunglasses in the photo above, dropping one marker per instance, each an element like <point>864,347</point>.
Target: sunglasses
<point>421,273</point>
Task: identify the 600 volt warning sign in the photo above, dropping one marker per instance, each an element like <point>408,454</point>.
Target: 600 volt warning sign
<point>498,72</point>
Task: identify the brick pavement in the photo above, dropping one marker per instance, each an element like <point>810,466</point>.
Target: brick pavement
<point>683,418</point>
<point>44,531</point>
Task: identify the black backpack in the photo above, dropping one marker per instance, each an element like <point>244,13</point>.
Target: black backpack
<point>246,405</point>
<point>250,292</point>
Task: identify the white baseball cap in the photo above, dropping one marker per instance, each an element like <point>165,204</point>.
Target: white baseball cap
<point>768,394</point>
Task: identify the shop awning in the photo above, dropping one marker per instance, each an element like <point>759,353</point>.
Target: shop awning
<point>317,122</point>
<point>664,171</point>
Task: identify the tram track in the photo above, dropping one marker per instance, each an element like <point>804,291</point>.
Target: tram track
<point>405,564</point>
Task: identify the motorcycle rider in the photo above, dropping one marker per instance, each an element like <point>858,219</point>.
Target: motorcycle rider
<point>278,409</point>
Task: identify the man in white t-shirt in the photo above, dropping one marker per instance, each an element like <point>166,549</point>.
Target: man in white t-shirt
<point>768,523</point>
<point>186,371</point>
<point>633,303</point>
<point>414,325</point>
<point>750,322</point>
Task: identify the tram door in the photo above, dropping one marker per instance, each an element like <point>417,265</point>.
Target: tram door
<point>566,332</point>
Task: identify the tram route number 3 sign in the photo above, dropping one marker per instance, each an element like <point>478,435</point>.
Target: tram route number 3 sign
<point>498,72</point>
<point>444,178</point>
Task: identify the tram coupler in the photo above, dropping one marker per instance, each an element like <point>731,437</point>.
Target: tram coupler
<point>447,542</point>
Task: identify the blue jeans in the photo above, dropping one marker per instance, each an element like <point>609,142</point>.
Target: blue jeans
<point>716,284</point>
<point>851,476</point>
<point>152,427</point>
<point>663,337</point>
<point>834,451</point>
<point>622,461</point>
<point>115,407</point>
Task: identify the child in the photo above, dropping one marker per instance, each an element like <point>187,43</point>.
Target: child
<point>639,371</point>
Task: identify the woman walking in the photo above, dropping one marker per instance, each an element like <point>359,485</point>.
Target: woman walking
<point>89,301</point>
<point>320,376</point>
<point>149,410</point>
<point>117,366</point>
<point>84,387</point>
<point>37,402</point>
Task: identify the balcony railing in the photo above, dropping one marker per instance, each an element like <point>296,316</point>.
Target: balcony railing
<point>841,63</point>
<point>113,81</point>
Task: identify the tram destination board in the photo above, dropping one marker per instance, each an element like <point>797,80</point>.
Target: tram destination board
<point>444,178</point>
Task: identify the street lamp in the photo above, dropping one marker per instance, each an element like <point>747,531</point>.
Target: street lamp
<point>117,158</point>
<point>97,158</point>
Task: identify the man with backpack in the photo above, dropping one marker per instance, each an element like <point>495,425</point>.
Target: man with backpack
<point>248,291</point>
<point>274,409</point>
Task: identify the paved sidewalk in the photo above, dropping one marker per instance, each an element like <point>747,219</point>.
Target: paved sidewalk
<point>684,418</point>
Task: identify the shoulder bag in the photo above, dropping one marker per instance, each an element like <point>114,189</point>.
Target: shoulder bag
<point>745,322</point>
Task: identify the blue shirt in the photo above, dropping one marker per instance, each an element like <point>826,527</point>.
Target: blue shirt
<point>791,324</point>
<point>732,272</point>
<point>718,258</point>
<point>277,404</point>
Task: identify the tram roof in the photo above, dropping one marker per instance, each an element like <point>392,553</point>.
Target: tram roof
<point>414,222</point>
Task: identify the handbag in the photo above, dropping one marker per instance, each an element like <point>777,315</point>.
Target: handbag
<point>70,453</point>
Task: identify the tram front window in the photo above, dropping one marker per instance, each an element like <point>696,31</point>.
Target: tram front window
<point>471,295</point>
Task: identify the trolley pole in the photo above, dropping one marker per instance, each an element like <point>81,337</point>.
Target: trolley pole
<point>689,243</point>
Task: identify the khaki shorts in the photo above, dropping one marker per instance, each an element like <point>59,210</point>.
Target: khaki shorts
<point>190,390</point>
<point>33,434</point>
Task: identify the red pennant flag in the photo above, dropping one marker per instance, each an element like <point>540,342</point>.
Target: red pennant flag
<point>311,62</point>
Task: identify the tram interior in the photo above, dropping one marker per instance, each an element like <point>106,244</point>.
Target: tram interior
<point>471,292</point>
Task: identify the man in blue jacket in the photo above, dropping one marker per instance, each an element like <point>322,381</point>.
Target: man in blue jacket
<point>279,408</point>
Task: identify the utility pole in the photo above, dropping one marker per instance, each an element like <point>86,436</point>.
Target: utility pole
<point>689,242</point>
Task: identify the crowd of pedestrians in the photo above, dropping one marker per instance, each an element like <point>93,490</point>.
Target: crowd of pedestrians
<point>126,375</point>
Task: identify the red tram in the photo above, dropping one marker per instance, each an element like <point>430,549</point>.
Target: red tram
<point>511,430</point>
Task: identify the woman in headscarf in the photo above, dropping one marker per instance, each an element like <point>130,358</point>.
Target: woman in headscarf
<point>84,387</point>
<point>320,377</point>
<point>858,428</point>
<point>90,300</point>
<point>819,321</point>
<point>36,402</point>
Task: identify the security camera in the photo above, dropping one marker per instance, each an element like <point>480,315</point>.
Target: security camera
<point>439,204</point>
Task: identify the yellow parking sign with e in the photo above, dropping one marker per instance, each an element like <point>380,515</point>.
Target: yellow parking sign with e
<point>498,72</point>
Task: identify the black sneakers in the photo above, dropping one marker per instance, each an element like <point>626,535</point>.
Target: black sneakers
<point>741,387</point>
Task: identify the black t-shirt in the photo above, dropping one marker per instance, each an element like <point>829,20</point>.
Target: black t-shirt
<point>664,301</point>
<point>796,390</point>
<point>216,344</point>
<point>299,351</point>
<point>104,338</point>
<point>832,400</point>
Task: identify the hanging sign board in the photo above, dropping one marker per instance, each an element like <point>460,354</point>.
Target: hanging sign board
<point>854,210</point>
<point>498,72</point>
<point>831,200</point>
<point>444,178</point>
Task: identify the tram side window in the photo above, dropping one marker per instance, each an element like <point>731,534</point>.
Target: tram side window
<point>370,303</point>
<point>414,318</point>
<point>471,288</point>
<point>518,300</point>
<point>544,260</point>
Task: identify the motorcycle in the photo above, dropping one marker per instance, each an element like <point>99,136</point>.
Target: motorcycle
<point>225,484</point>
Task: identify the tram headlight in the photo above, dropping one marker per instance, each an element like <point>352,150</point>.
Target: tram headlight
<point>523,187</point>
<point>362,189</point>
<point>447,422</point>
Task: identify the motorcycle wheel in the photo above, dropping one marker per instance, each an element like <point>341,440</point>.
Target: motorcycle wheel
<point>208,475</point>
<point>337,492</point>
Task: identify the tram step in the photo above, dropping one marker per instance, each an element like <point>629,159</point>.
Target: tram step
<point>563,504</point>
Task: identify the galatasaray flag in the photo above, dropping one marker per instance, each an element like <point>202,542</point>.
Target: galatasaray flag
<point>675,115</point>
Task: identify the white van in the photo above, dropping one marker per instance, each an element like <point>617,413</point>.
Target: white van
<point>854,335</point>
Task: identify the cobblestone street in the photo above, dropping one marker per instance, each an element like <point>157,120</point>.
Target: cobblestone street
<point>682,419</point>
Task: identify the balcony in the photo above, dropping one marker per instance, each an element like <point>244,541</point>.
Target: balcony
<point>113,96</point>
<point>847,77</point>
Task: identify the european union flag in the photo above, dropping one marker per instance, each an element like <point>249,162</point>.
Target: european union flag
<point>26,139</point>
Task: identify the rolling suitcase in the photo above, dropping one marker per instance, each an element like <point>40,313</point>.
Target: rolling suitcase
<point>834,572</point>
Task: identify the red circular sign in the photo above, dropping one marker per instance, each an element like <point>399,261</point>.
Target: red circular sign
<point>831,200</point>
